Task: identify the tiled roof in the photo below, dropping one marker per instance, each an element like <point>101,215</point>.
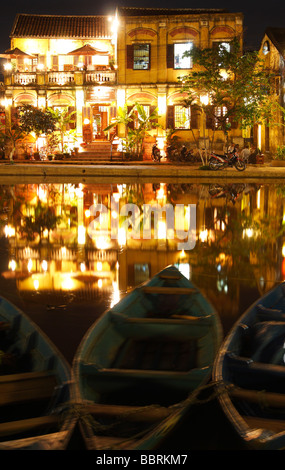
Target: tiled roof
<point>130,11</point>
<point>277,36</point>
<point>61,26</point>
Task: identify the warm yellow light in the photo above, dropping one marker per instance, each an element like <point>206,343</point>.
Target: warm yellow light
<point>30,265</point>
<point>81,235</point>
<point>122,238</point>
<point>161,104</point>
<point>8,66</point>
<point>161,230</point>
<point>12,265</point>
<point>203,235</point>
<point>224,74</point>
<point>204,100</point>
<point>100,283</point>
<point>44,265</point>
<point>82,267</point>
<point>9,231</point>
<point>87,213</point>
<point>99,266</point>
<point>121,97</point>
<point>36,284</point>
<point>86,121</point>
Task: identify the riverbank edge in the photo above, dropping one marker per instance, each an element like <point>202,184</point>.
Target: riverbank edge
<point>136,170</point>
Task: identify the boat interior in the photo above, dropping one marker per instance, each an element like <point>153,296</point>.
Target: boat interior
<point>254,366</point>
<point>29,383</point>
<point>152,354</point>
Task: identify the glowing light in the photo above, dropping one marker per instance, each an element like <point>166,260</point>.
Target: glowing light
<point>203,235</point>
<point>44,265</point>
<point>81,235</point>
<point>8,66</point>
<point>122,237</point>
<point>12,265</point>
<point>161,230</point>
<point>82,267</point>
<point>87,213</point>
<point>101,243</point>
<point>30,265</point>
<point>100,283</point>
<point>161,104</point>
<point>204,100</point>
<point>36,284</point>
<point>99,266</point>
<point>9,231</point>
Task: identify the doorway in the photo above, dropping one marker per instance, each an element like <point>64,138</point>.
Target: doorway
<point>99,121</point>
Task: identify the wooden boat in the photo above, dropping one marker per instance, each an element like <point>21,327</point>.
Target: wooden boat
<point>250,373</point>
<point>139,365</point>
<point>34,386</point>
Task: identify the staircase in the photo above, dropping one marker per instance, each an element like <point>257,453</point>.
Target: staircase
<point>98,152</point>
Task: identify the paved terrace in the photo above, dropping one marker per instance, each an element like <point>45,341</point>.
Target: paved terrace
<point>57,171</point>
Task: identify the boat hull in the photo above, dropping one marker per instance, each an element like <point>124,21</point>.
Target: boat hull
<point>250,374</point>
<point>143,361</point>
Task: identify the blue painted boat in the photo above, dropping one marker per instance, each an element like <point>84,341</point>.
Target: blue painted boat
<point>138,367</point>
<point>34,386</point>
<point>250,373</point>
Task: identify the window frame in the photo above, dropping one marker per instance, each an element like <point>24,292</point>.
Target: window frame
<point>136,58</point>
<point>175,45</point>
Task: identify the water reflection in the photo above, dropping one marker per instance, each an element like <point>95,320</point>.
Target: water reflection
<point>61,264</point>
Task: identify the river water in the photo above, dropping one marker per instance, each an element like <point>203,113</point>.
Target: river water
<point>69,251</point>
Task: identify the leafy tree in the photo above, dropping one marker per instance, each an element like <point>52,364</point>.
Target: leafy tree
<point>9,138</point>
<point>235,82</point>
<point>32,119</point>
<point>142,123</point>
<point>62,119</point>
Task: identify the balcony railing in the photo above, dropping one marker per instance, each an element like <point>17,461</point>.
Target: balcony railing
<point>25,78</point>
<point>61,78</point>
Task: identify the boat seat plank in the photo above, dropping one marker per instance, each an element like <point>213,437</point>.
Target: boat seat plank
<point>170,277</point>
<point>248,373</point>
<point>21,388</point>
<point>175,319</point>
<point>24,425</point>
<point>168,290</point>
<point>128,413</point>
<point>275,425</point>
<point>256,396</point>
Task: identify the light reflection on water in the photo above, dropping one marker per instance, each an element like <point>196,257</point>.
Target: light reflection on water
<point>64,279</point>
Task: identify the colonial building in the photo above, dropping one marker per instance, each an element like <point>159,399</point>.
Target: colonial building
<point>272,51</point>
<point>151,44</point>
<point>94,64</point>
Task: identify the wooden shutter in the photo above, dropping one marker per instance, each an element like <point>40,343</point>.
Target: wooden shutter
<point>152,110</point>
<point>130,56</point>
<point>194,117</point>
<point>131,123</point>
<point>234,124</point>
<point>72,125</point>
<point>170,124</point>
<point>170,56</point>
<point>210,120</point>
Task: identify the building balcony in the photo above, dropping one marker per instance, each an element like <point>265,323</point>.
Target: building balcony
<point>70,78</point>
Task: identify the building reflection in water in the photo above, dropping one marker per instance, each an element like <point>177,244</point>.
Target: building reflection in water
<point>55,242</point>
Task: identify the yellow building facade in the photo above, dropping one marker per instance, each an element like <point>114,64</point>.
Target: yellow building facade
<point>151,44</point>
<point>95,64</point>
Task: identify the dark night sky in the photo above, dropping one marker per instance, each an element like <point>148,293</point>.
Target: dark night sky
<point>257,15</point>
